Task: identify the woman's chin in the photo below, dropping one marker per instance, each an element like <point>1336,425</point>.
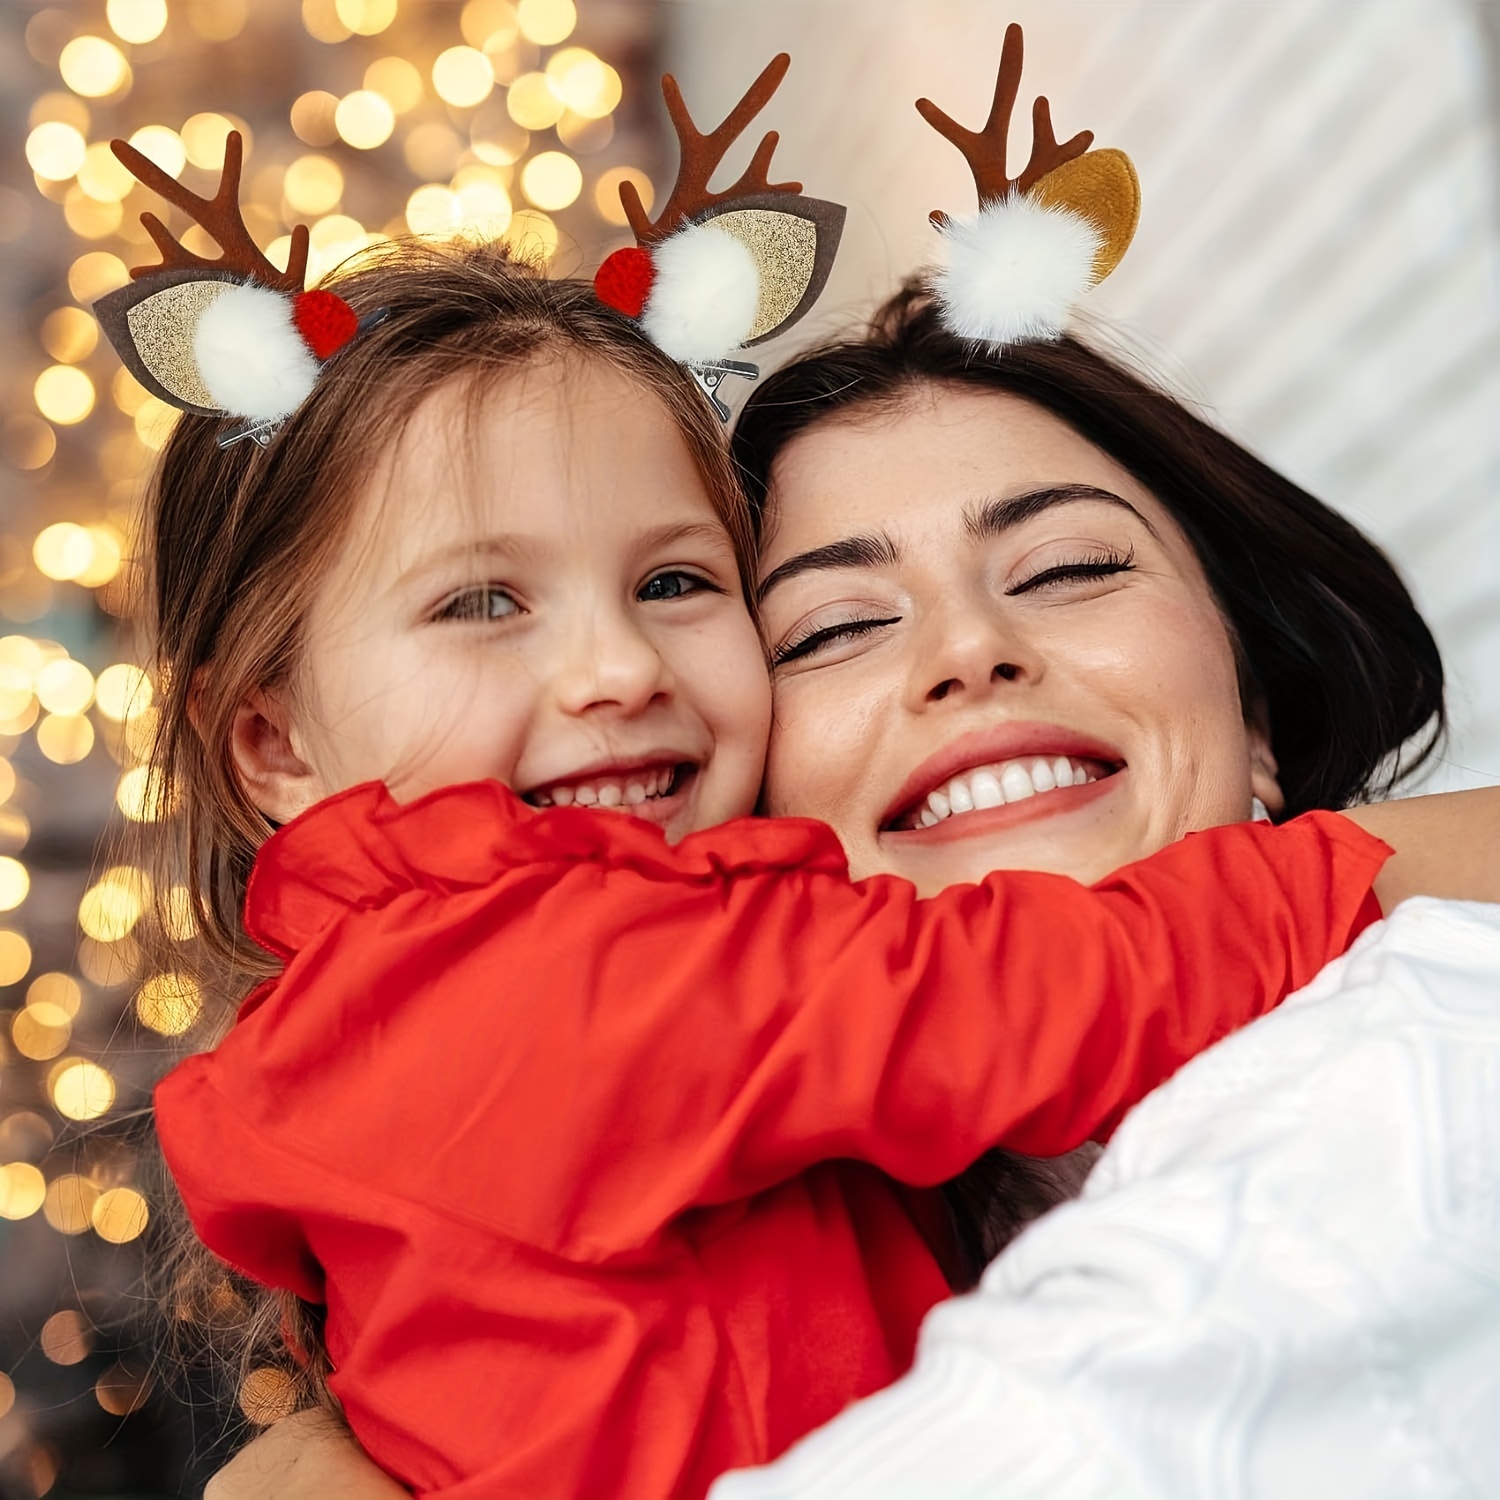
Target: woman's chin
<point>1080,832</point>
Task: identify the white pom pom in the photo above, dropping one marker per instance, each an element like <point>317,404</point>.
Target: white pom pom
<point>252,359</point>
<point>703,298</point>
<point>1015,270</point>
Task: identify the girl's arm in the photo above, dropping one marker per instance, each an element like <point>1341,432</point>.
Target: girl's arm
<point>670,1028</point>
<point>1446,845</point>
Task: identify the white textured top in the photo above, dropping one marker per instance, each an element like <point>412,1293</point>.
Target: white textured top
<point>1282,1281</point>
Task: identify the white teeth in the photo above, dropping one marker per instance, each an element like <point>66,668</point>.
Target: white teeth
<point>610,795</point>
<point>562,796</point>
<point>646,785</point>
<point>635,794</point>
<point>997,785</point>
<point>1015,782</point>
<point>586,796</point>
<point>987,790</point>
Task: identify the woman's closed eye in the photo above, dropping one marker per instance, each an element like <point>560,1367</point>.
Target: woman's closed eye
<point>822,639</point>
<point>1104,562</point>
<point>488,601</point>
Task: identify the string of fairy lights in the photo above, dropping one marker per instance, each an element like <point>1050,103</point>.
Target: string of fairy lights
<point>407,117</point>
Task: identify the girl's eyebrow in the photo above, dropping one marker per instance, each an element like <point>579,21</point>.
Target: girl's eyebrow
<point>990,518</point>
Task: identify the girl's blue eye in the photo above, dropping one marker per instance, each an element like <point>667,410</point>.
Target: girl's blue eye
<point>673,583</point>
<point>488,603</point>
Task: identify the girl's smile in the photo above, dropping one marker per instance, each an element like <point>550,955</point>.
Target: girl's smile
<point>540,592</point>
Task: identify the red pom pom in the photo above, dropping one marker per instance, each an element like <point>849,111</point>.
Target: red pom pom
<point>624,280</point>
<point>326,322</point>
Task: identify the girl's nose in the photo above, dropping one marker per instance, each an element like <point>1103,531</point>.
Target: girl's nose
<point>968,648</point>
<point>611,666</point>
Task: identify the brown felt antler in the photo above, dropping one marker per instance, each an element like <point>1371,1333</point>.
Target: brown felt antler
<point>701,154</point>
<point>220,216</point>
<point>984,149</point>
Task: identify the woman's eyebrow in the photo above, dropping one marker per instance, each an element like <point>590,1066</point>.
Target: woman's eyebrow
<point>873,550</point>
<point>992,517</point>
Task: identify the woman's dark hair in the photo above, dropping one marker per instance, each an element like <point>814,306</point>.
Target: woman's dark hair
<point>1331,648</point>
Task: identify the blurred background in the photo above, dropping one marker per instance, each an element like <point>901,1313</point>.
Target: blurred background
<point>1316,266</point>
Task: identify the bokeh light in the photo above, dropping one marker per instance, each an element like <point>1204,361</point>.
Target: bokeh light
<point>203,138</point>
<point>364,119</point>
<point>607,193</point>
<point>94,67</point>
<point>122,1389</point>
<point>397,81</point>
<point>65,739</point>
<point>65,686</point>
<point>63,550</point>
<point>313,185</point>
<point>163,146</point>
<point>41,1031</point>
<point>103,176</point>
<point>365,17</point>
<point>15,957</point>
<point>23,1190</point>
<point>68,1207</point>
<point>69,334</point>
<point>532,103</point>
<point>169,1003</point>
<point>312,117</point>
<point>137,21</point>
<point>462,76</point>
<point>15,882</point>
<point>488,24</point>
<point>119,1215</point>
<point>58,989</point>
<point>122,691</point>
<point>322,21</point>
<point>55,150</point>
<point>64,394</point>
<point>587,85</point>
<point>551,180</point>
<point>112,907</point>
<point>27,442</point>
<point>81,1090</point>
<point>546,22</point>
<point>61,105</point>
<point>89,218</point>
<point>267,1395</point>
<point>94,274</point>
<point>533,236</point>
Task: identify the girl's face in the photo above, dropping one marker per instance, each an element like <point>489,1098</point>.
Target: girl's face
<point>536,590</point>
<point>992,648</point>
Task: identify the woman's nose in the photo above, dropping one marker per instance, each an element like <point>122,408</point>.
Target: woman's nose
<point>966,649</point>
<point>610,665</point>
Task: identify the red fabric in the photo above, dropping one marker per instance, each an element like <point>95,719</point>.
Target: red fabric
<point>581,1137</point>
<point>624,280</point>
<point>325,321</point>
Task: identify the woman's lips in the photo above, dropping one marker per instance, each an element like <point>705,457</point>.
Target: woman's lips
<point>1008,765</point>
<point>982,820</point>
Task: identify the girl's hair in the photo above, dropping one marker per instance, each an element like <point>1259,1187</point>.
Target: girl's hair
<point>1331,650</point>
<point>236,541</point>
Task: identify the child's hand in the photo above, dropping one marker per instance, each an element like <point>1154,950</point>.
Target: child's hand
<point>310,1454</point>
<point>1446,845</point>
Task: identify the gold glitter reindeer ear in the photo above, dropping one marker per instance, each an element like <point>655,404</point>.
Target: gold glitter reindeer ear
<point>719,271</point>
<point>1041,239</point>
<point>229,336</point>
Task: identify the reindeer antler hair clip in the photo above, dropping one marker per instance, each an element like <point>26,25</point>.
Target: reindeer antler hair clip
<point>1040,240</point>
<point>715,272</point>
<point>225,337</point>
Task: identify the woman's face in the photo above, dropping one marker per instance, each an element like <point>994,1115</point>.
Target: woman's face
<point>993,649</point>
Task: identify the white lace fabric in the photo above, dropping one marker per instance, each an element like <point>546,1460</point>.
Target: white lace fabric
<point>1281,1282</point>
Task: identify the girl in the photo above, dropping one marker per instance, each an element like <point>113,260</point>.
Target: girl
<point>586,1147</point>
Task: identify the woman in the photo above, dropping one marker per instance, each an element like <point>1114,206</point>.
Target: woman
<point>975,568</point>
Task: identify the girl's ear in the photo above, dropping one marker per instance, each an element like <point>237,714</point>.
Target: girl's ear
<point>275,777</point>
<point>1264,771</point>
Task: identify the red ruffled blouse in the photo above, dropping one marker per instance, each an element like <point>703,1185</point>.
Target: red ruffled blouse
<point>591,1146</point>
